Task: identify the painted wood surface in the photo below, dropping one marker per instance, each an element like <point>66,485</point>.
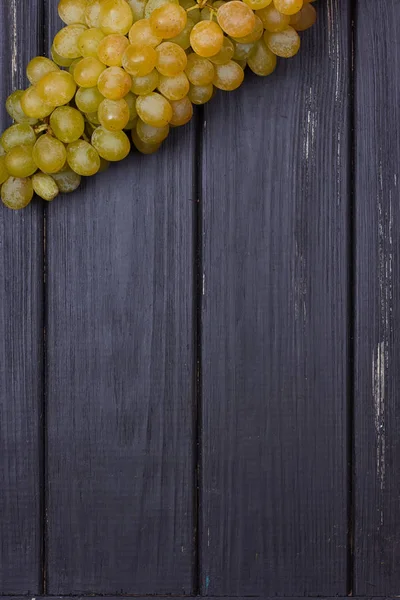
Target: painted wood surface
<point>21,338</point>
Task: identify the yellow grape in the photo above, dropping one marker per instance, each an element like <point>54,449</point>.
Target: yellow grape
<point>14,109</point>
<point>145,84</point>
<point>67,124</point>
<point>141,34</point>
<point>228,77</point>
<point>88,99</point>
<point>88,71</point>
<point>305,18</point>
<point>67,180</point>
<point>243,51</point>
<point>288,7</point>
<point>113,114</point>
<point>225,54</point>
<point>115,17</point>
<point>16,193</point>
<point>38,67</point>
<point>82,158</point>
<point>56,88</point>
<point>152,5</point>
<point>4,174</point>
<point>182,112</point>
<point>33,105</point>
<point>183,39</point>
<point>66,41</point>
<point>199,70</point>
<point>137,8</point>
<point>18,134</point>
<point>143,147</point>
<point>111,49</point>
<point>49,154</point>
<point>262,61</point>
<point>174,88</point>
<point>200,94</point>
<point>151,135</point>
<point>255,34</point>
<point>72,11</point>
<point>171,59</point>
<point>114,83</point>
<point>236,18</point>
<point>272,19</point>
<point>257,4</point>
<point>45,186</point>
<point>111,145</point>
<point>285,43</point>
<point>60,60</point>
<point>93,118</point>
<point>139,61</point>
<point>89,41</point>
<point>154,109</point>
<point>207,38</point>
<point>92,13</point>
<point>19,161</point>
<point>168,20</point>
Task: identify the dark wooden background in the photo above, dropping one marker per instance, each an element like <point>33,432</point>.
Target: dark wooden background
<point>199,351</point>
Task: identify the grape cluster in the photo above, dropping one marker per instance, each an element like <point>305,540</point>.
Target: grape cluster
<point>128,70</point>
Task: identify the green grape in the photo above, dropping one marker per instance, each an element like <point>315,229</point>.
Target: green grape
<point>168,20</point>
<point>4,174</point>
<point>243,51</point>
<point>143,147</point>
<point>14,108</point>
<point>88,99</point>
<point>174,88</point>
<point>183,38</point>
<point>141,34</point>
<point>67,180</point>
<point>16,193</point>
<point>71,68</point>
<point>17,135</point>
<point>182,112</point>
<point>111,50</point>
<point>262,61</point>
<point>113,114</point>
<point>192,9</point>
<point>200,94</point>
<point>93,118</point>
<point>151,135</point>
<point>49,154</point>
<point>137,8</point>
<point>33,105</point>
<point>115,17</point>
<point>171,59</point>
<point>206,14</point>
<point>67,124</point>
<point>89,41</point>
<point>92,12</point>
<point>45,186</point>
<point>88,71</point>
<point>154,109</point>
<point>114,83</point>
<point>207,38</point>
<point>56,88</point>
<point>72,11</point>
<point>60,60</point>
<point>152,5</point>
<point>38,67</point>
<point>104,164</point>
<point>241,63</point>
<point>225,54</point>
<point>139,61</point>
<point>66,41</point>
<point>2,151</point>
<point>83,158</point>
<point>111,145</point>
<point>130,99</point>
<point>228,77</point>
<point>19,161</point>
<point>146,84</point>
<point>199,70</point>
<point>272,19</point>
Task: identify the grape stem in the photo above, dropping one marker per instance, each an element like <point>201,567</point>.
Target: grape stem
<point>40,128</point>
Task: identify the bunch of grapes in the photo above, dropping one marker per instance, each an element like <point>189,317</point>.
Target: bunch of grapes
<point>126,71</point>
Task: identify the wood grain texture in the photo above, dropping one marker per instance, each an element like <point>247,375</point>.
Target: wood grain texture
<point>120,378</point>
<point>275,349</point>
<point>377,373</point>
<point>21,336</point>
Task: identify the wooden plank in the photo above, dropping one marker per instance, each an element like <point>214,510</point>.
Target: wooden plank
<point>275,350</point>
<point>377,373</point>
<point>120,378</point>
<point>21,268</point>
